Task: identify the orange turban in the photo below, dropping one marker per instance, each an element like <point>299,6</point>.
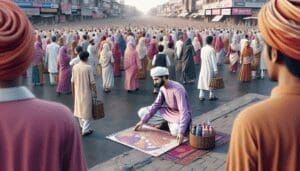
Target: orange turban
<point>16,41</point>
<point>279,22</point>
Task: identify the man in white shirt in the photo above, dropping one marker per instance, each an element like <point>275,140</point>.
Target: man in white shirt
<point>51,58</point>
<point>178,46</point>
<point>208,69</point>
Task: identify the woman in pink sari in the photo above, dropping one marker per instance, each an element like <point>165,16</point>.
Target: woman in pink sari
<point>117,53</point>
<point>132,64</point>
<point>152,50</point>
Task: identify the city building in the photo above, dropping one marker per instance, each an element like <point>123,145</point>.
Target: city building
<point>55,11</point>
<point>231,10</point>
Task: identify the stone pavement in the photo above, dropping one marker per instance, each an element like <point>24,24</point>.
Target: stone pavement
<point>221,118</point>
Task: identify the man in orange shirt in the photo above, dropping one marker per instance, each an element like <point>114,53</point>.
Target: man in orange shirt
<point>266,136</point>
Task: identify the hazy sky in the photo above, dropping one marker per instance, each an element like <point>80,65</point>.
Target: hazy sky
<point>144,5</point>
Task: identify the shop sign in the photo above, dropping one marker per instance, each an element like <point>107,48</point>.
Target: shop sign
<point>226,11</point>
<point>66,8</point>
<point>31,11</point>
<point>241,11</point>
<point>208,12</point>
<point>24,4</point>
<point>48,10</point>
<point>37,4</point>
<point>254,4</point>
<point>216,12</point>
<point>239,4</point>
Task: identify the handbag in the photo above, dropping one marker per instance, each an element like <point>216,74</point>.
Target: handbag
<point>97,109</point>
<point>216,83</point>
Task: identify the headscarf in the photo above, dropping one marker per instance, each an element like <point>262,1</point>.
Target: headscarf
<point>105,56</point>
<point>64,58</point>
<point>219,45</point>
<point>278,22</point>
<point>122,43</point>
<point>196,44</point>
<point>141,48</point>
<point>116,51</point>
<point>39,52</point>
<point>152,50</point>
<point>16,41</point>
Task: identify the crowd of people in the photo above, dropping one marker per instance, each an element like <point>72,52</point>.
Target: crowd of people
<point>32,138</point>
<point>136,48</point>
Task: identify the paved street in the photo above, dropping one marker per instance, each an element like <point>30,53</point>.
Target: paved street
<point>222,118</point>
<point>121,107</point>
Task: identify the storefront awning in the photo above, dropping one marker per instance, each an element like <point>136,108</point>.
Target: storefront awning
<point>250,18</point>
<point>185,14</point>
<point>47,15</point>
<point>217,18</point>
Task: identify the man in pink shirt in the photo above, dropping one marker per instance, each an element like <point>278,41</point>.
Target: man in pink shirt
<point>177,111</point>
<point>36,135</point>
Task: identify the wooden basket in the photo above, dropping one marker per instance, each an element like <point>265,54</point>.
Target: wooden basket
<point>216,83</point>
<point>203,143</point>
<point>97,109</point>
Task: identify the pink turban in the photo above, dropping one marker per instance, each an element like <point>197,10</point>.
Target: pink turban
<point>16,41</point>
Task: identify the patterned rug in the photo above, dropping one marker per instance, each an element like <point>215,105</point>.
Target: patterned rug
<point>186,154</point>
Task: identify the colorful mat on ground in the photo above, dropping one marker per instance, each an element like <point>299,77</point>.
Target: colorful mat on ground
<point>149,140</point>
<point>186,154</point>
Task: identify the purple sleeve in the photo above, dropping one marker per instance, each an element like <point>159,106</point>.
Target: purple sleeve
<point>154,107</point>
<point>184,112</point>
<point>73,157</point>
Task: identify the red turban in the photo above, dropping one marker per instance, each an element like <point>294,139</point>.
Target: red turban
<point>278,22</point>
<point>16,41</point>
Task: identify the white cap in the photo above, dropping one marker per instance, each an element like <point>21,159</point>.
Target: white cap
<point>159,71</point>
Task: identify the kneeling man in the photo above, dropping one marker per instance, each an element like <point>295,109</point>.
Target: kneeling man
<point>177,111</point>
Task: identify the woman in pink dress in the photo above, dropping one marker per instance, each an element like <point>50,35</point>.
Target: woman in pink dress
<point>132,64</point>
<point>64,81</point>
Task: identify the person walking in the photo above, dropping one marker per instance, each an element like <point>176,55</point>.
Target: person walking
<point>188,66</point>
<point>64,81</point>
<point>83,89</point>
<point>37,63</point>
<point>52,51</point>
<point>208,69</point>
<point>106,61</point>
<point>245,60</point>
<point>132,65</point>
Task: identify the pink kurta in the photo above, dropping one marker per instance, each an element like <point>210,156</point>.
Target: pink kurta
<point>38,135</point>
<point>132,64</point>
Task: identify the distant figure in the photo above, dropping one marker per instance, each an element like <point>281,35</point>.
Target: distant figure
<point>132,64</point>
<point>83,89</point>
<point>208,69</point>
<point>52,51</point>
<point>64,80</point>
